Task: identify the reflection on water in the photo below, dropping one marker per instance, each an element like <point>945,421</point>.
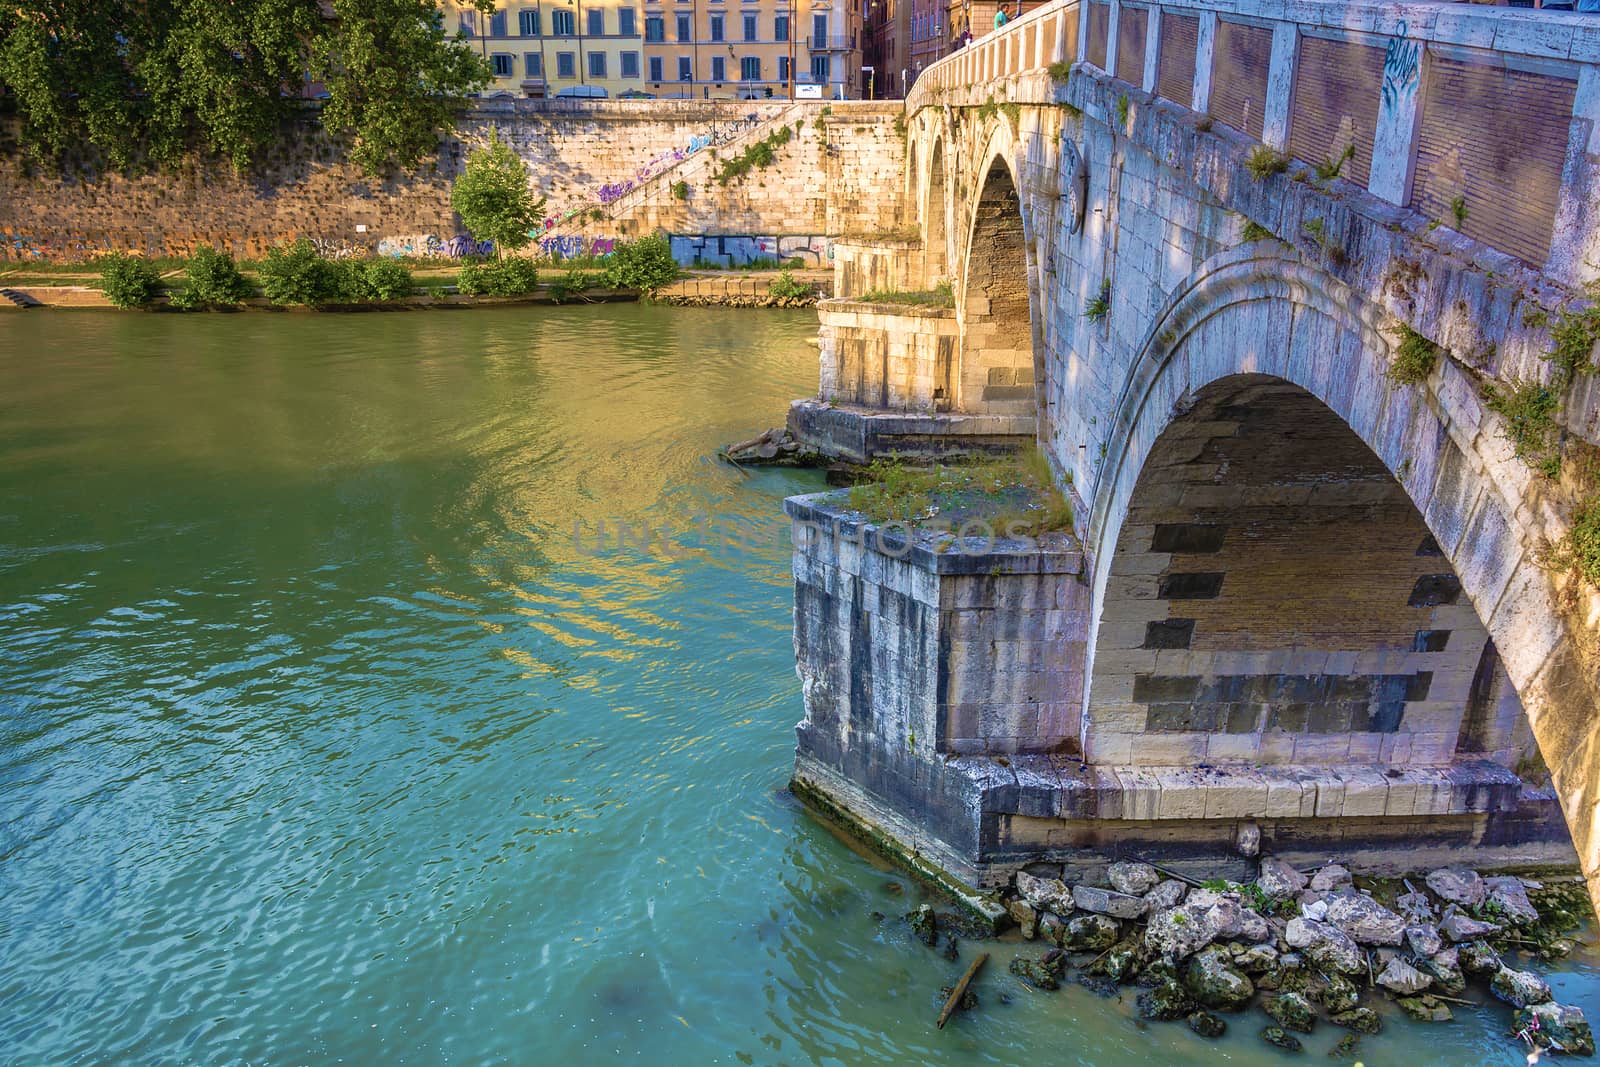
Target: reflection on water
<point>322,740</point>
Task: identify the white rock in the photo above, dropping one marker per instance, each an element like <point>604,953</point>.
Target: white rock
<point>1045,894</point>
<point>1135,879</point>
<point>1424,940</point>
<point>1317,910</point>
<point>1167,894</point>
<point>1365,920</point>
<point>1403,978</point>
<point>1278,880</point>
<point>1329,878</point>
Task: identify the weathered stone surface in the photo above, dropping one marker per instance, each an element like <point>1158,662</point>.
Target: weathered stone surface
<point>1134,879</point>
<point>1330,878</point>
<point>1403,978</point>
<point>1445,972</point>
<point>1165,1002</point>
<point>1177,933</point>
<point>1026,917</point>
<point>1361,1020</point>
<point>1213,980</point>
<point>1252,927</point>
<point>925,925</point>
<point>1426,1009</point>
<point>1091,933</point>
<point>1275,1035</point>
<point>1045,894</point>
<point>1108,902</point>
<point>1458,926</point>
<point>1519,988</point>
<point>1365,920</point>
<point>1052,927</point>
<point>1326,947</point>
<point>1416,907</point>
<point>1119,963</point>
<point>1278,880</point>
<point>1248,843</point>
<point>1042,973</point>
<point>1478,958</point>
<point>1256,959</point>
<point>1291,1011</point>
<point>1338,994</point>
<point>1424,940</point>
<point>1508,895</point>
<point>1558,1027</point>
<point>1458,885</point>
<point>1166,894</point>
<point>1205,1024</point>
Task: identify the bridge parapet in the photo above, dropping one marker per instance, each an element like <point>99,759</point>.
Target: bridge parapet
<point>1485,120</point>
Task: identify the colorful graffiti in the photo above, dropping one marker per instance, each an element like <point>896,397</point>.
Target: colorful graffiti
<point>609,193</point>
<point>571,246</point>
<point>428,246</point>
<point>726,251</point>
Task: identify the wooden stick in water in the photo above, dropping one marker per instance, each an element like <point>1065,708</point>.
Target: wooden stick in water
<point>960,990</point>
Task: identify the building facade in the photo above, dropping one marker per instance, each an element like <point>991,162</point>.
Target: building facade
<point>557,47</point>
<point>888,48</point>
<point>752,49</point>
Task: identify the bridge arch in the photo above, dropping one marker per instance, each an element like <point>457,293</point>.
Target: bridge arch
<point>1259,397</point>
<point>936,208</point>
<point>997,290</point>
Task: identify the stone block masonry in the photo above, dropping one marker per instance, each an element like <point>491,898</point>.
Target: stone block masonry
<point>584,156</point>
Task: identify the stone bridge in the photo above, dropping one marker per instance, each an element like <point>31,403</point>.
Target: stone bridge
<point>1202,254</point>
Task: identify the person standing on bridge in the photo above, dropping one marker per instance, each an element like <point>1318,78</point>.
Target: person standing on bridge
<point>1000,16</point>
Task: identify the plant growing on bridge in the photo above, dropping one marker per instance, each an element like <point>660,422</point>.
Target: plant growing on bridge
<point>1580,547</point>
<point>494,199</point>
<point>1059,71</point>
<point>680,190</point>
<point>988,109</point>
<point>214,279</point>
<point>1264,162</point>
<point>1122,110</point>
<point>1330,169</point>
<point>1253,231</point>
<point>1528,409</point>
<point>645,264</point>
<point>1414,357</point>
<point>787,287</point>
<point>761,154</point>
<point>128,281</point>
<point>1458,210</point>
<point>1575,334</point>
<point>941,295</point>
<point>1099,305</point>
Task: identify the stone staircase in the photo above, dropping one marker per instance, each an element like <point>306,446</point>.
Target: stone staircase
<point>21,300</point>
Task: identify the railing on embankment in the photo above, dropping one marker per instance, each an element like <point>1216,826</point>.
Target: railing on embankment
<point>1484,119</point>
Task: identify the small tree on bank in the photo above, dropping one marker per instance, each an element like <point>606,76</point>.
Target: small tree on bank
<point>493,197</point>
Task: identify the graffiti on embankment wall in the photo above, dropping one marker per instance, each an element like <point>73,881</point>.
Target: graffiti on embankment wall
<point>430,246</point>
<point>739,251</point>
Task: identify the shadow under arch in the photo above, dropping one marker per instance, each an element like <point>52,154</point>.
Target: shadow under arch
<point>936,215</point>
<point>997,372</point>
<point>1258,317</point>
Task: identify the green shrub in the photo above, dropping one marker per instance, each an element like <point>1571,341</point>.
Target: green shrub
<point>1529,412</point>
<point>1574,336</point>
<point>1253,231</point>
<point>1263,162</point>
<point>379,279</point>
<point>1458,210</point>
<point>214,280</point>
<point>1414,357</point>
<point>1122,110</point>
<point>1580,547</point>
<point>1330,169</point>
<point>1099,305</point>
<point>644,264</point>
<point>128,281</point>
<point>786,287</point>
<point>297,275</point>
<point>507,277</point>
<point>680,190</point>
<point>1059,71</point>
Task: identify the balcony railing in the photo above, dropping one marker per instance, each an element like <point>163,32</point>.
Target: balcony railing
<point>832,42</point>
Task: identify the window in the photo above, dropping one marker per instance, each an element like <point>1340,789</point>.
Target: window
<point>655,69</point>
<point>497,24</point>
<point>819,30</point>
<point>532,65</point>
<point>563,23</point>
<point>750,68</point>
<point>528,22</point>
<point>566,64</point>
<point>750,27</point>
<point>503,64</point>
<point>719,69</point>
<point>630,64</point>
<point>780,29</point>
<point>783,68</point>
<point>625,21</point>
<point>819,69</point>
<point>597,64</point>
<point>469,23</point>
<point>685,32</point>
<point>597,22</point>
<point>685,69</point>
<point>655,28</point>
<point>716,27</point>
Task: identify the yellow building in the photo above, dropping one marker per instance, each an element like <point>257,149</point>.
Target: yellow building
<point>752,49</point>
<point>557,48</point>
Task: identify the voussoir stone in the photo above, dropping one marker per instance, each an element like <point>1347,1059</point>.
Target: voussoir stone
<point>1365,920</point>
<point>1108,902</point>
<point>1458,885</point>
<point>1278,880</point>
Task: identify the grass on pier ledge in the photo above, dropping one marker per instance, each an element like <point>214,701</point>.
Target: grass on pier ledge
<point>1016,496</point>
<point>940,296</point>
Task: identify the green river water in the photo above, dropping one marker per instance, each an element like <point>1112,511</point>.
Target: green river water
<point>322,740</point>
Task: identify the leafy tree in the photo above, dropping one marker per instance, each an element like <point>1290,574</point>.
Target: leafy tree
<point>214,279</point>
<point>128,281</point>
<point>644,264</point>
<point>493,197</point>
<point>156,79</point>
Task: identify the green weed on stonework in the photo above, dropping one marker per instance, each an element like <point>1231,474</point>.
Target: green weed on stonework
<point>787,287</point>
<point>941,295</point>
<point>1414,357</point>
<point>1580,548</point>
<point>1528,409</point>
<point>1099,305</point>
<point>1263,163</point>
<point>1012,496</point>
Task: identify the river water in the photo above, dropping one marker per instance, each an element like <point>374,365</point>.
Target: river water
<point>323,738</point>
